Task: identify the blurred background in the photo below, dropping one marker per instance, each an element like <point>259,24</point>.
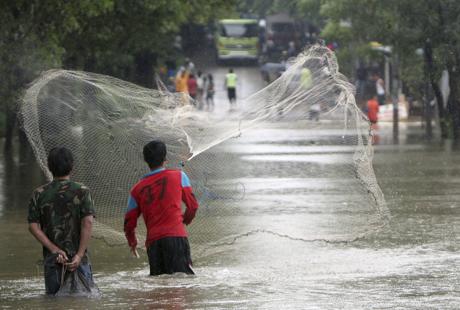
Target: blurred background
<point>410,47</point>
<point>402,54</point>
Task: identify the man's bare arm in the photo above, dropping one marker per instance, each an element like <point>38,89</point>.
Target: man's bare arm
<point>85,236</point>
<point>38,233</point>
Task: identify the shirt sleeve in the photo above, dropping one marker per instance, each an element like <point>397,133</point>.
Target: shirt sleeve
<point>34,212</point>
<point>87,205</point>
<point>189,199</point>
<point>131,216</point>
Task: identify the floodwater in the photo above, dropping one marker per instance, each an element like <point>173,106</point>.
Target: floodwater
<point>413,263</point>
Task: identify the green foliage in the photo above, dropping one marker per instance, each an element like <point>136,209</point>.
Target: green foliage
<point>31,35</point>
<point>406,25</point>
<point>413,75</point>
<point>110,36</point>
<point>311,11</point>
<point>306,10</point>
<point>403,24</point>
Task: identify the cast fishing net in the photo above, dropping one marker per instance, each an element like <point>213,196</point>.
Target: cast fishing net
<point>321,169</point>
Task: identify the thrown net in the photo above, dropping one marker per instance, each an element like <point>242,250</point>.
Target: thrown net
<point>294,159</point>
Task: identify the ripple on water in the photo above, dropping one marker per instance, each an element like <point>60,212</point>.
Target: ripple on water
<point>278,274</point>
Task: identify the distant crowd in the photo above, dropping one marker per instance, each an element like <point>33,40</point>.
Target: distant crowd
<point>192,83</point>
<point>196,87</point>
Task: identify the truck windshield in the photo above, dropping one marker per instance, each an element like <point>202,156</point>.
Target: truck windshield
<point>238,30</point>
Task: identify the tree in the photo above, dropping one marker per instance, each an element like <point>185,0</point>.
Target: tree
<point>408,25</point>
<point>116,37</point>
<point>30,37</point>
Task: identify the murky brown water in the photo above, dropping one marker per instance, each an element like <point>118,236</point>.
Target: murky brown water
<point>414,264</point>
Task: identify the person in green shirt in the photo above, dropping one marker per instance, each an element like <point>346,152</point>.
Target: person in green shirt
<point>60,217</point>
<point>230,82</point>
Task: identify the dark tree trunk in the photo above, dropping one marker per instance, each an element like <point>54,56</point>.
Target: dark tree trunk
<point>144,74</point>
<point>453,105</point>
<point>21,79</point>
<point>427,114</point>
<point>454,100</point>
<point>90,64</point>
<point>10,126</point>
<point>430,69</point>
<point>453,67</point>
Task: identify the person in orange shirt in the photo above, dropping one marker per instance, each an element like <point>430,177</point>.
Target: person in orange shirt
<point>182,85</point>
<point>181,82</point>
<point>373,109</point>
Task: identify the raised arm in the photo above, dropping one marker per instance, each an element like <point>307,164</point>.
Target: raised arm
<point>189,199</point>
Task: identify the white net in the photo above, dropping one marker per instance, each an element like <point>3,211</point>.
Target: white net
<point>310,108</point>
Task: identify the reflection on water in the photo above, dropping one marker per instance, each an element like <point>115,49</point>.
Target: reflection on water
<point>411,265</point>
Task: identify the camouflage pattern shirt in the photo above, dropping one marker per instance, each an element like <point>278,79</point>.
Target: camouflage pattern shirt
<point>59,207</point>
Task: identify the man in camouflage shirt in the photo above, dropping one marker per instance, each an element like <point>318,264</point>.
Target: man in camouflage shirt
<point>60,217</point>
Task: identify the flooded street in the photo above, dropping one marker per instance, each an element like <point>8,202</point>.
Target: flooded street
<point>413,263</point>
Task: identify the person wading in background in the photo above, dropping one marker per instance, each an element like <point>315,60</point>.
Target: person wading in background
<point>200,89</point>
<point>210,92</point>
<point>372,115</point>
<point>230,82</point>
<point>373,110</point>
<point>182,85</point>
<point>380,88</point>
<point>192,86</point>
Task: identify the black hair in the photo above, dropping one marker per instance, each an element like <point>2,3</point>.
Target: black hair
<point>231,70</point>
<point>154,153</point>
<point>60,161</point>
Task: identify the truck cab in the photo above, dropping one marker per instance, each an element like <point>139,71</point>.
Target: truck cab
<point>237,39</point>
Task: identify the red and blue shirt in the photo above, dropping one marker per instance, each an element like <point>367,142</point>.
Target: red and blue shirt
<point>158,196</point>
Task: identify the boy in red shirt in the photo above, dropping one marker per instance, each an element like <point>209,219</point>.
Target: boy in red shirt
<point>373,110</point>
<point>158,197</point>
<point>192,86</point>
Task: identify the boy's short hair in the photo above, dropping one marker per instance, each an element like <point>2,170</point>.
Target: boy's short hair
<point>155,153</point>
<point>60,161</point>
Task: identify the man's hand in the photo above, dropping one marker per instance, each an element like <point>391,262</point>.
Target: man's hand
<point>37,232</point>
<point>62,256</point>
<point>73,265</point>
<point>134,251</point>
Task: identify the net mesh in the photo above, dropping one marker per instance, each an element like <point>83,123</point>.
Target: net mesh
<point>309,110</point>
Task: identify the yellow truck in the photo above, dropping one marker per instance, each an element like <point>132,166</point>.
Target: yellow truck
<point>237,39</point>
